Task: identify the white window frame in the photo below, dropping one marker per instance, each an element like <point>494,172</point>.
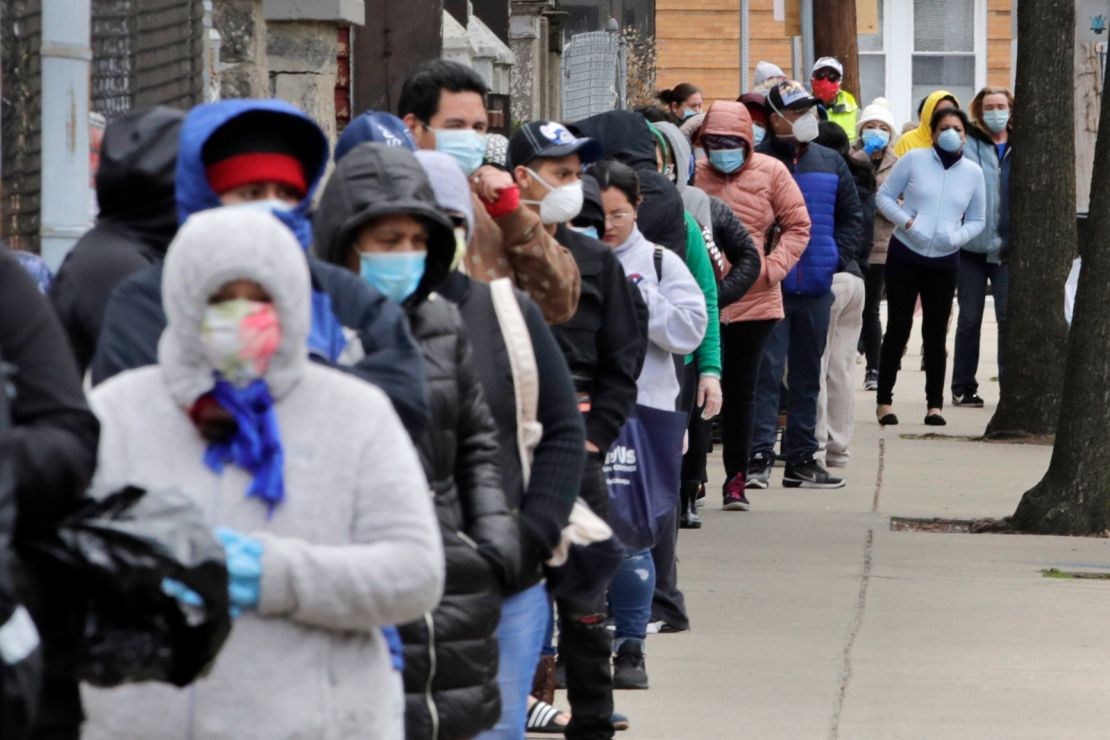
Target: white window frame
<point>898,46</point>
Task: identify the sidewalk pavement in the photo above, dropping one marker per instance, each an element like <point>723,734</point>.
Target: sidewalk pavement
<point>812,619</point>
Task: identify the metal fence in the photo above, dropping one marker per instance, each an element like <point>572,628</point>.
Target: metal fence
<point>593,74</point>
<point>20,114</point>
<point>145,52</point>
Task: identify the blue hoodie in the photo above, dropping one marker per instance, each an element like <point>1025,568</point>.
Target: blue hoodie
<point>343,305</point>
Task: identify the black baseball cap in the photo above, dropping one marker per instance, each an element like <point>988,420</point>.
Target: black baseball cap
<point>549,140</point>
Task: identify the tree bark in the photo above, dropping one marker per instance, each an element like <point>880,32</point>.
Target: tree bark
<point>1042,221</point>
<point>1073,498</point>
<point>834,35</point>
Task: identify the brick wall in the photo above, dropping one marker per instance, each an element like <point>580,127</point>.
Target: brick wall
<point>1000,31</point>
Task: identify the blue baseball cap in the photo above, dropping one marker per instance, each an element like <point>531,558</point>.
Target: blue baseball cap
<point>375,126</point>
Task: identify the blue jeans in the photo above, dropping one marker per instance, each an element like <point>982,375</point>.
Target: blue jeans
<point>971,292</point>
<point>799,338</point>
<point>630,596</point>
<point>524,620</point>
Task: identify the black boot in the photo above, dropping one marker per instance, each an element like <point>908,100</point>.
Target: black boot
<point>629,668</point>
<point>688,513</point>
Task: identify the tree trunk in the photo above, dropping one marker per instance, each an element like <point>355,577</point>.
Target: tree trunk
<point>834,35</point>
<point>1042,220</point>
<point>1074,496</point>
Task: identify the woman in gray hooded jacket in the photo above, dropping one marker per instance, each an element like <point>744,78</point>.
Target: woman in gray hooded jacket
<point>335,537</point>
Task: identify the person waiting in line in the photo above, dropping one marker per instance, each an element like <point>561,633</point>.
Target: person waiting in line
<point>874,146</point>
<point>315,492</point>
<point>603,347</point>
<point>943,208</point>
<point>762,194</point>
<point>270,156</point>
<point>443,103</point>
<point>136,221</point>
<point>983,259</point>
<point>921,135</point>
<point>379,218</point>
<point>545,497</point>
<point>682,102</point>
<point>736,263</point>
<point>677,321</point>
<point>836,407</point>
<point>839,104</point>
<point>798,342</point>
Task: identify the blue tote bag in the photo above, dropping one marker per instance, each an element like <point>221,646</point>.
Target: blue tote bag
<point>643,470</point>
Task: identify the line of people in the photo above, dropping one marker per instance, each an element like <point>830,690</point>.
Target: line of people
<point>388,390</point>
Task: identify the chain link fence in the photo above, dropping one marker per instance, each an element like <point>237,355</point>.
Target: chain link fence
<point>145,52</point>
<point>20,114</point>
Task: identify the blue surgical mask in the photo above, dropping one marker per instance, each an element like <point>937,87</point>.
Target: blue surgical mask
<point>395,274</point>
<point>759,133</point>
<point>950,140</point>
<point>688,114</point>
<point>726,160</point>
<point>466,145</point>
<point>996,120</point>
<point>875,140</point>
<point>590,231</point>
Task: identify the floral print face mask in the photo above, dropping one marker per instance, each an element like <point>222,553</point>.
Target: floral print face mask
<point>240,336</point>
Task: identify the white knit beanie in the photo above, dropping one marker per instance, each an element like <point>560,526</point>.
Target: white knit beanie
<point>765,71</point>
<point>878,110</point>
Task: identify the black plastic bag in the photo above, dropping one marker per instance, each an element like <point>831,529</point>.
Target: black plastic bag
<point>111,560</point>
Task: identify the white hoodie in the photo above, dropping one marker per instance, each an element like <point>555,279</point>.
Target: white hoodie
<point>677,317</point>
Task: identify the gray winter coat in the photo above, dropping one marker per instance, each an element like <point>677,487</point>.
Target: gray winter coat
<point>995,237</point>
<point>353,547</point>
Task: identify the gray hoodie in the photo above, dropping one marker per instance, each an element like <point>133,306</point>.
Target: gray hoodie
<point>353,547</point>
<point>695,199</point>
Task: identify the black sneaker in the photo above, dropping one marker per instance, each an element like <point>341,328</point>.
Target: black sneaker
<point>970,400</point>
<point>629,670</point>
<point>871,380</point>
<point>809,474</point>
<point>759,471</point>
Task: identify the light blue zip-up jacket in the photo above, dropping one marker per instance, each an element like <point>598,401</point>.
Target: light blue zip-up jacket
<point>948,206</point>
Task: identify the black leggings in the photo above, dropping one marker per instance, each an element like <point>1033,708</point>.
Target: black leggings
<point>742,345</point>
<point>872,333</point>
<point>905,281</point>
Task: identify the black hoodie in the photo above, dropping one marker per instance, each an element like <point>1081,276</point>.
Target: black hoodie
<point>137,221</point>
<point>627,138</point>
<point>451,661</point>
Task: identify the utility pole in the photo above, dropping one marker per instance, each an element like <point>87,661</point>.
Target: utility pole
<point>834,35</point>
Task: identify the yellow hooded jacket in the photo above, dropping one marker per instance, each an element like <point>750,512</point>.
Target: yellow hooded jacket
<point>922,137</point>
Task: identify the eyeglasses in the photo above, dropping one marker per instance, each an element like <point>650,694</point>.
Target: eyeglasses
<point>827,74</point>
<point>619,217</point>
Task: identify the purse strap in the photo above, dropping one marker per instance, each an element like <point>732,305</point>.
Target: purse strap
<point>526,374</point>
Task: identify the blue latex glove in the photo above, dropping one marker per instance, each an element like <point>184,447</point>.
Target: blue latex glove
<point>181,592</point>
<point>244,568</point>
<point>325,338</point>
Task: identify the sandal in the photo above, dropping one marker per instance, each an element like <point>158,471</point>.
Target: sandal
<point>542,718</point>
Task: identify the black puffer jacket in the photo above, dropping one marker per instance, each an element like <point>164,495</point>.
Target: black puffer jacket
<point>626,137</point>
<point>137,220</point>
<point>451,654</point>
<point>736,243</point>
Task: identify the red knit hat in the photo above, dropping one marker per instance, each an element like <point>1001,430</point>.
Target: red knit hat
<point>258,146</point>
<point>244,169</point>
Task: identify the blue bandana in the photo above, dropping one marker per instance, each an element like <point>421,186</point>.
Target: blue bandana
<point>256,445</point>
